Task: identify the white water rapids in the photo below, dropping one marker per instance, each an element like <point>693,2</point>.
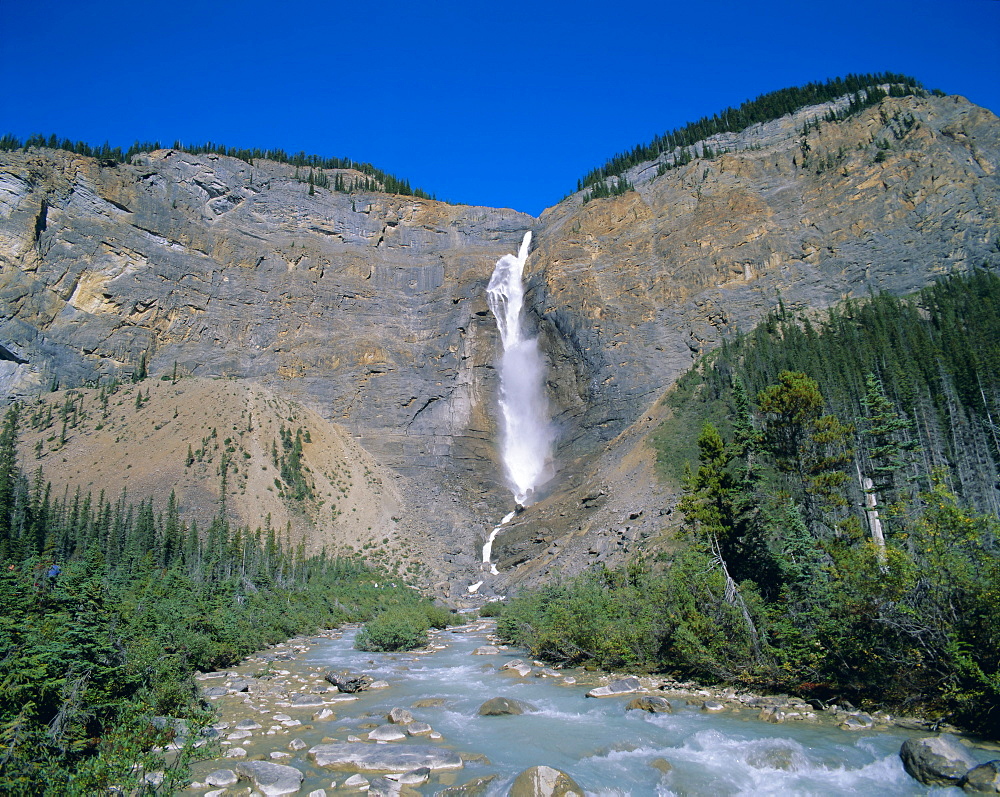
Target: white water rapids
<point>609,751</point>
<point>526,432</point>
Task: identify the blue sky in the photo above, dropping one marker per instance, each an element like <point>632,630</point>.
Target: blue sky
<point>503,104</point>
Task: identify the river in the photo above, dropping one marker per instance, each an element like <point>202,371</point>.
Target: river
<point>606,749</point>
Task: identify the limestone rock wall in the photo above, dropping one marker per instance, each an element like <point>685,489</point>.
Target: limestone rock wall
<point>370,308</point>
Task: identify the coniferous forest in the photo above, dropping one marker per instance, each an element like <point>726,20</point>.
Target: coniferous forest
<point>375,180</point>
<point>839,533</point>
<point>681,145</point>
<point>107,609</point>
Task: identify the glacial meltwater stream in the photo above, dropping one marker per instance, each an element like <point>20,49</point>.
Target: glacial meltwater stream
<point>606,749</point>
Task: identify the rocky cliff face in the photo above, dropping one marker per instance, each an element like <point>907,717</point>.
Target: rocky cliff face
<point>370,308</point>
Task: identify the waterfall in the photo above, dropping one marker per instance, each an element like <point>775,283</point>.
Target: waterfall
<point>488,545</point>
<point>526,433</point>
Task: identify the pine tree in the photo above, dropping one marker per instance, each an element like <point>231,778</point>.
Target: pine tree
<point>8,477</point>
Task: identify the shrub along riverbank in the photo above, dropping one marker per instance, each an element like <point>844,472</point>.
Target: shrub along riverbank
<point>840,533</point>
<point>108,609</point>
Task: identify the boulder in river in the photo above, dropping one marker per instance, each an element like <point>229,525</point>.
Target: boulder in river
<point>430,702</point>
<point>940,760</point>
<point>857,722</point>
<point>543,781</point>
<point>984,779</point>
<point>384,758</point>
<point>620,686</point>
<point>346,682</point>
<point>386,733</point>
<point>383,787</point>
<point>501,706</point>
<point>654,705</point>
<point>400,716</point>
<point>486,650</point>
<point>415,777</point>
<point>221,777</point>
<point>272,779</point>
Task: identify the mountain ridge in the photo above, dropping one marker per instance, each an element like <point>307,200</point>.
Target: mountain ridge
<point>369,308</point>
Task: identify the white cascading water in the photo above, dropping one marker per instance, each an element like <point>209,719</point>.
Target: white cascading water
<point>488,545</point>
<point>527,434</point>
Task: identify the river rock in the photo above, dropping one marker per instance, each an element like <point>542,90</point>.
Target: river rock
<point>382,758</point>
<point>418,729</point>
<point>349,683</point>
<point>236,752</point>
<point>297,744</point>
<point>239,686</point>
<point>654,705</point>
<point>520,669</point>
<point>400,716</point>
<point>940,760</point>
<point>429,702</point>
<point>984,779</point>
<point>712,706</point>
<point>477,787</point>
<point>247,725</point>
<point>486,650</point>
<point>415,777</point>
<point>662,765</point>
<point>510,665</point>
<point>383,787</point>
<point>543,781</point>
<point>214,691</point>
<point>221,777</point>
<point>772,714</point>
<point>272,779</point>
<point>386,733</point>
<point>857,722</point>
<point>500,706</point>
<point>324,714</point>
<point>307,700</point>
<point>620,686</point>
<point>356,782</point>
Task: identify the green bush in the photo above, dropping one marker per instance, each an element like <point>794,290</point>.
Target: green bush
<point>397,628</point>
<point>491,609</point>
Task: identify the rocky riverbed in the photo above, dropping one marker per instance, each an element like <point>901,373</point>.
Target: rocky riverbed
<point>427,722</point>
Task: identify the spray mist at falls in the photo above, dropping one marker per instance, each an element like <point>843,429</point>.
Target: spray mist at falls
<point>527,435</point>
